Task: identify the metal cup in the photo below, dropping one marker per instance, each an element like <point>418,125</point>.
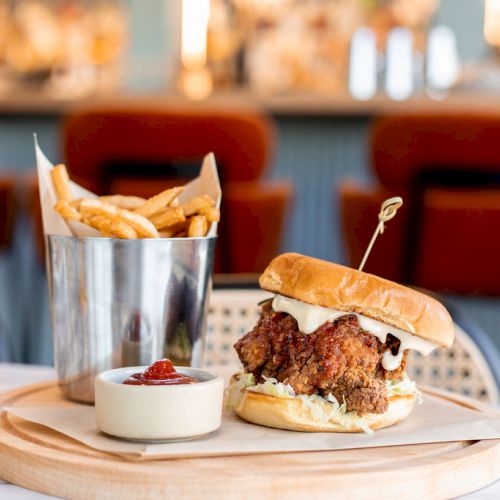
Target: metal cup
<point>121,303</point>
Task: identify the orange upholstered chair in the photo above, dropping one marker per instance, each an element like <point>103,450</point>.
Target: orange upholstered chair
<point>445,237</point>
<point>144,149</point>
<point>359,209</point>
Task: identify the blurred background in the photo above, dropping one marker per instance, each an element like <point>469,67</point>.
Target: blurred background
<point>317,110</point>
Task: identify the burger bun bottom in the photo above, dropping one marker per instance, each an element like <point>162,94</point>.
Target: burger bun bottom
<point>294,414</point>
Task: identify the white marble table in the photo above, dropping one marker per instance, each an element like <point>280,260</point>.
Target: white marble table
<point>12,376</point>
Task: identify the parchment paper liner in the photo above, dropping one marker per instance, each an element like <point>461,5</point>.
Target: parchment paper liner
<point>436,420</point>
<point>206,183</point>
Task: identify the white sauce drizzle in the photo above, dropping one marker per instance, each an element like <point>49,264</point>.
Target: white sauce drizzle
<point>309,318</point>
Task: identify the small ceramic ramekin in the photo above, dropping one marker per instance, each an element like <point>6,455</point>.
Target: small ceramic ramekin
<point>158,413</point>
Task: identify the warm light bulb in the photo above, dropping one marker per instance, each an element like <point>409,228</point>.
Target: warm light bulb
<point>492,22</point>
<point>196,84</point>
<point>194,33</point>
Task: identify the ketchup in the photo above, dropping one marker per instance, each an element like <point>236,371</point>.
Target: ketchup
<point>161,372</point>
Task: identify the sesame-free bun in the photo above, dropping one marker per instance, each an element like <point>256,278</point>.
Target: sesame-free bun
<point>293,414</point>
<point>327,284</point>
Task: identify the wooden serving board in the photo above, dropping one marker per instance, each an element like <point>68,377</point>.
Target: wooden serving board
<point>40,459</point>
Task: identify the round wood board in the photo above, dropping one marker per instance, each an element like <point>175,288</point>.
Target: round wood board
<point>43,460</point>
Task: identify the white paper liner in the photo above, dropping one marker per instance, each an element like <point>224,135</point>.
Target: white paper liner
<point>206,183</point>
<point>436,420</point>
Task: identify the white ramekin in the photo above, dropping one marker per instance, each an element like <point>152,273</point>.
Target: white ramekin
<point>168,412</point>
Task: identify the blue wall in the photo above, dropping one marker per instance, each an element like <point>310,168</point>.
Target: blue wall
<point>317,154</point>
<point>465,18</point>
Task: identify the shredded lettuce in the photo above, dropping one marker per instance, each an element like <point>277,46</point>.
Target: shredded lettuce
<point>272,387</point>
<point>325,408</point>
<point>404,387</point>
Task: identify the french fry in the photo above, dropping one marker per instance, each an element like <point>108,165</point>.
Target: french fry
<point>76,203</point>
<point>67,210</point>
<point>153,205</point>
<point>212,214</point>
<point>168,217</point>
<point>99,222</point>
<point>143,226</point>
<point>111,228</point>
<point>140,224</point>
<point>60,179</point>
<point>122,230</point>
<point>130,217</point>
<point>194,205</point>
<point>122,201</point>
<point>107,234</point>
<point>96,221</point>
<point>94,207</point>
<point>170,232</point>
<point>197,226</point>
<point>115,228</point>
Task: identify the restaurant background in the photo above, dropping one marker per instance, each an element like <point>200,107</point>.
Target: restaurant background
<point>323,132</point>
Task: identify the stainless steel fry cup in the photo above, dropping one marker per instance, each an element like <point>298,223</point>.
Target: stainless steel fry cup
<point>118,303</point>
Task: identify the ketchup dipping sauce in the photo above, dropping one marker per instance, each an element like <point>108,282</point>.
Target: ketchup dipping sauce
<point>129,406</point>
<point>161,372</point>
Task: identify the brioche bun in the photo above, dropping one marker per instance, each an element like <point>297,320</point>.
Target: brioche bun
<point>293,414</point>
<point>326,284</point>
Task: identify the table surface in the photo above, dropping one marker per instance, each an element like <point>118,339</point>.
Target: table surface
<point>15,375</point>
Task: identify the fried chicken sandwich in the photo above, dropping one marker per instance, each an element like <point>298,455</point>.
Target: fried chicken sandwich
<point>330,349</point>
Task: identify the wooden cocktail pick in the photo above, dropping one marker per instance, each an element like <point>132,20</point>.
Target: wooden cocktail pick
<point>387,212</point>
